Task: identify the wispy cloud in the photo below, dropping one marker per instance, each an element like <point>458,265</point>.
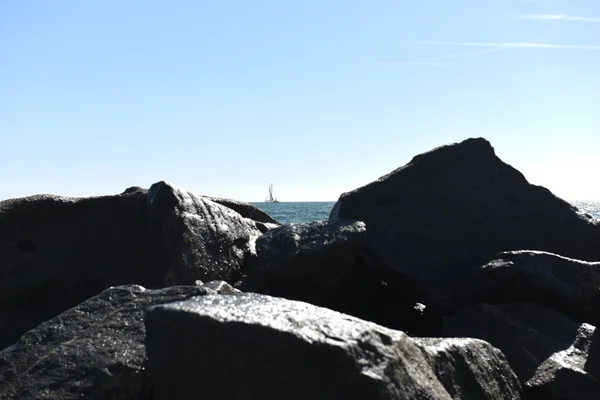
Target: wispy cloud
<point>540,42</point>
<point>413,63</point>
<point>558,17</point>
<point>514,45</point>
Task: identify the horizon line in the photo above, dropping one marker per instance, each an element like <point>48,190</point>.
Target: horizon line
<point>294,201</point>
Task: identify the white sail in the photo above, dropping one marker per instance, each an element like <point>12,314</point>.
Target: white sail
<point>270,198</point>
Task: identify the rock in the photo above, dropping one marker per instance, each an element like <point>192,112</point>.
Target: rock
<point>246,210</point>
<point>324,263</point>
<point>319,254</point>
<point>254,346</point>
<point>567,285</point>
<point>95,350</point>
<point>470,368</point>
<point>457,207</point>
<point>546,350</point>
<point>134,189</point>
<point>201,239</point>
<point>592,364</point>
<point>56,252</point>
<point>217,287</point>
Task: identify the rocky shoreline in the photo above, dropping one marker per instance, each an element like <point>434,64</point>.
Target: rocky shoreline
<point>451,277</point>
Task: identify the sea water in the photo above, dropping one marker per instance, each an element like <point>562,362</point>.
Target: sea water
<point>589,207</point>
<point>287,212</point>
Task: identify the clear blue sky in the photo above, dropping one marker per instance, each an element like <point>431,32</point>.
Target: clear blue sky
<point>319,97</point>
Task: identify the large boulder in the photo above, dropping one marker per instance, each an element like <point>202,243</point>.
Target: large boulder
<point>310,258</point>
<point>470,368</point>
<point>246,210</point>
<point>326,263</point>
<point>568,285</point>
<point>254,346</point>
<point>95,350</point>
<point>457,207</point>
<point>201,239</point>
<point>56,252</point>
<point>547,351</point>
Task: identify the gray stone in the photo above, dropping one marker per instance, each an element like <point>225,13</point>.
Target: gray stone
<point>254,346</point>
<point>457,207</point>
<point>325,263</point>
<point>568,285</point>
<point>592,364</point>
<point>470,368</point>
<point>546,350</point>
<point>95,350</point>
<point>246,210</point>
<point>56,252</point>
<point>201,239</point>
<point>134,189</point>
<point>319,250</point>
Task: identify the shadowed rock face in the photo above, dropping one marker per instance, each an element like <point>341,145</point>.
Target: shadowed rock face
<point>458,206</point>
<point>307,257</point>
<point>56,252</point>
<point>470,368</point>
<point>326,263</point>
<point>547,351</point>
<point>95,350</point>
<point>430,230</point>
<point>272,348</point>
<point>565,284</point>
<point>592,364</point>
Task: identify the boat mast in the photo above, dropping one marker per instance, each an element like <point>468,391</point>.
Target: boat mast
<point>270,198</point>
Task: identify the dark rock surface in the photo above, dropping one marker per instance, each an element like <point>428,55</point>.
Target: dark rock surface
<point>470,368</point>
<point>546,350</point>
<point>201,239</point>
<point>592,364</point>
<point>457,207</point>
<point>399,254</point>
<point>95,350</point>
<point>565,284</point>
<point>309,257</point>
<point>134,189</point>
<point>253,346</point>
<point>325,263</point>
<point>56,252</point>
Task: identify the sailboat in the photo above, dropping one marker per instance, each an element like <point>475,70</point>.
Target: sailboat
<point>270,198</point>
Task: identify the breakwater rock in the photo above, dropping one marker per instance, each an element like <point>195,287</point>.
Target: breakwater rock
<point>449,278</point>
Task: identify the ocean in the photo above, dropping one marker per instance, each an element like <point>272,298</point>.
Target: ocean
<point>590,207</point>
<point>288,212</point>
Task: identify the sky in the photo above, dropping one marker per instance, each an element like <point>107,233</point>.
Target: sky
<point>317,96</point>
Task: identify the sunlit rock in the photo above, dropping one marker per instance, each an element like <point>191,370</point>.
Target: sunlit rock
<point>254,346</point>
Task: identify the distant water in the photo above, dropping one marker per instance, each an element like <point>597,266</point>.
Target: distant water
<point>590,207</point>
<point>287,212</point>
